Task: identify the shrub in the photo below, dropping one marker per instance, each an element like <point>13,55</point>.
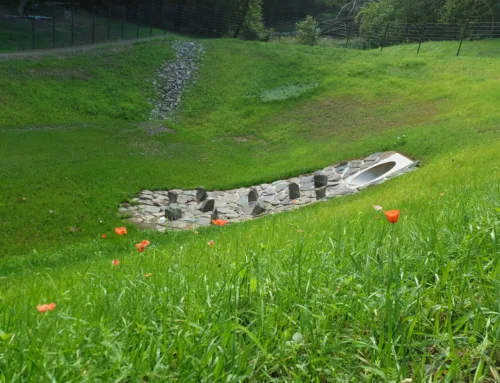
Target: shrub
<point>253,27</point>
<point>307,30</point>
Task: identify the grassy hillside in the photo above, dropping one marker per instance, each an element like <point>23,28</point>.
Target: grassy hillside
<point>327,293</point>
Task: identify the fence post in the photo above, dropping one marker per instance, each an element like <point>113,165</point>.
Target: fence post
<point>464,31</point>
<point>54,26</point>
<point>151,19</point>
<point>163,18</point>
<point>385,35</point>
<point>348,34</point>
<point>93,23</point>
<point>123,21</point>
<point>424,27</point>
<point>138,11</point>
<point>109,22</point>
<point>33,29</point>
<point>72,22</point>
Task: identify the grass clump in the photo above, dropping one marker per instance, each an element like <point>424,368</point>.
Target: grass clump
<point>286,92</point>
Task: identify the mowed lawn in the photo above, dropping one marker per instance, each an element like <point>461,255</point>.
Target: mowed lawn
<point>331,292</point>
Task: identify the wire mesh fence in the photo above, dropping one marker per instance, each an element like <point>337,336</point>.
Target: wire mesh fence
<point>349,33</point>
<point>55,25</point>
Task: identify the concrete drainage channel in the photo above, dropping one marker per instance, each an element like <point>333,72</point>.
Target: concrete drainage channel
<point>187,209</point>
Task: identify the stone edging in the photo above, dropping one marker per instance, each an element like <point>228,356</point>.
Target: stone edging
<point>185,209</point>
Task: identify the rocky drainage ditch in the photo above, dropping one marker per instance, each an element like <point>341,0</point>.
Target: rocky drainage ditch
<point>178,209</point>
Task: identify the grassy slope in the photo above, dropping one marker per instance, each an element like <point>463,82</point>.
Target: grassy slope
<point>370,303</point>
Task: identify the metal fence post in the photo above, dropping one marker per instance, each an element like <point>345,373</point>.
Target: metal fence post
<point>163,18</point>
<point>138,11</point>
<point>109,21</point>
<point>93,24</point>
<point>72,22</point>
<point>424,27</point>
<point>123,21</point>
<point>54,26</point>
<point>33,30</point>
<point>348,34</point>
<point>151,19</point>
<point>464,31</point>
<point>385,35</point>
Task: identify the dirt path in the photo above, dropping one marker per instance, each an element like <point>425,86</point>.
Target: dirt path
<point>74,49</point>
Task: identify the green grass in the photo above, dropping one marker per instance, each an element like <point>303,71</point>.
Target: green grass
<point>351,298</point>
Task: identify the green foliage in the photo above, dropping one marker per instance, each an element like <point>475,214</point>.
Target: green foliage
<point>253,26</point>
<point>461,11</point>
<point>307,30</point>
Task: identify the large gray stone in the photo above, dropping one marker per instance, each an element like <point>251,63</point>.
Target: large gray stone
<point>281,186</point>
<point>172,197</point>
<point>258,210</point>
<point>320,180</point>
<point>207,205</point>
<point>320,193</point>
<point>214,215</point>
<point>173,214</point>
<point>293,191</point>
<point>201,194</point>
<point>253,195</point>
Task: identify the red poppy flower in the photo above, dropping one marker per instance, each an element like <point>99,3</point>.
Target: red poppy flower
<point>211,243</point>
<point>46,307</point>
<point>115,262</point>
<point>104,236</point>
<point>392,215</point>
<point>145,242</point>
<point>219,222</point>
<point>140,247</point>
<point>121,230</point>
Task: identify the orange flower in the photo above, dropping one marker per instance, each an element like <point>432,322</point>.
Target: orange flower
<point>121,230</point>
<point>115,262</point>
<point>46,307</point>
<point>104,236</point>
<point>392,215</point>
<point>147,275</point>
<point>140,247</point>
<point>211,243</point>
<point>219,222</point>
<point>145,242</point>
<point>294,201</point>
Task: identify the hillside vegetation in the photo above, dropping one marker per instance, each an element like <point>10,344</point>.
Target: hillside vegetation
<point>331,292</point>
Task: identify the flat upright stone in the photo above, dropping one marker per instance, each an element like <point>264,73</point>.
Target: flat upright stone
<point>320,180</point>
<point>258,209</point>
<point>214,215</point>
<point>173,213</point>
<point>293,191</point>
<point>253,195</point>
<point>207,205</point>
<point>201,194</point>
<point>320,193</point>
<point>172,196</point>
